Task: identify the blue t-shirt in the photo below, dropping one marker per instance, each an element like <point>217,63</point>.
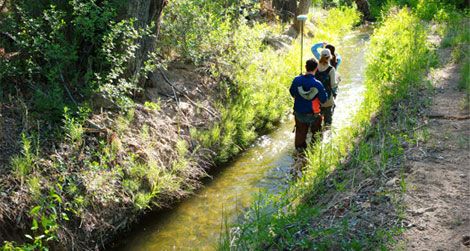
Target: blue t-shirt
<point>317,55</point>
<point>308,81</point>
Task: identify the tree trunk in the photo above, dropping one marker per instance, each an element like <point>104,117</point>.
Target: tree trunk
<point>302,9</point>
<point>364,7</point>
<point>285,9</point>
<point>267,10</point>
<point>145,13</point>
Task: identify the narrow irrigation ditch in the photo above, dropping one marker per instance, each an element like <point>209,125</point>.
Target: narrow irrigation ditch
<point>196,222</point>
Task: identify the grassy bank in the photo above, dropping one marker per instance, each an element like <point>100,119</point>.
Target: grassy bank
<point>397,60</point>
<point>256,91</point>
<point>78,163</point>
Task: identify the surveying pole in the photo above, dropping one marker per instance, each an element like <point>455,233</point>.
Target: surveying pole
<point>301,19</point>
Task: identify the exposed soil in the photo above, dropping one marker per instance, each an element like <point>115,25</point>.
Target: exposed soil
<point>189,104</point>
<point>438,198</point>
<point>10,131</point>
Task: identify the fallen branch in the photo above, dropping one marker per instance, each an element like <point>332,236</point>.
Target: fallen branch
<point>8,35</point>
<point>448,117</point>
<point>200,106</point>
<point>173,88</point>
<point>67,89</point>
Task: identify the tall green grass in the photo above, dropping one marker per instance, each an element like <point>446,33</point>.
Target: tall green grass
<point>398,57</point>
<point>256,90</point>
<point>424,9</point>
<point>456,32</point>
<point>453,26</point>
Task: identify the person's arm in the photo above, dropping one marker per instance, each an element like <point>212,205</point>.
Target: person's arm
<point>322,95</point>
<point>338,60</point>
<point>308,95</point>
<point>292,89</point>
<point>315,48</point>
<point>333,84</point>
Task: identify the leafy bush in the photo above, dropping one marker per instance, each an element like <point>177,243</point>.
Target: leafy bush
<point>199,30</point>
<point>61,47</point>
<point>425,9</point>
<point>23,164</point>
<point>333,28</point>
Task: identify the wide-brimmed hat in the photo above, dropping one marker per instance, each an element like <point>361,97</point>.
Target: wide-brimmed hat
<point>326,53</point>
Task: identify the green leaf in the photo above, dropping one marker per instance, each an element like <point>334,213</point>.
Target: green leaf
<point>65,216</point>
<point>56,197</point>
<point>35,225</point>
<point>35,210</point>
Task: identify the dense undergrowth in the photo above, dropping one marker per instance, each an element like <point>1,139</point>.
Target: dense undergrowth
<point>397,61</point>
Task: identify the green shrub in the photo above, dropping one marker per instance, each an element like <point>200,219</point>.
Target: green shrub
<point>152,106</point>
<point>207,36</point>
<point>332,28</point>
<point>23,164</point>
<point>70,50</point>
<point>426,9</point>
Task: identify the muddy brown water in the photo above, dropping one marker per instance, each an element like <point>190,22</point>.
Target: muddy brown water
<point>196,223</point>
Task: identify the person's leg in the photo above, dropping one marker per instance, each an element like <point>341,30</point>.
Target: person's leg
<point>316,129</point>
<point>327,115</point>
<point>301,130</point>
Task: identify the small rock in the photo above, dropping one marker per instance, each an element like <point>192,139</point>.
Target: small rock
<point>466,240</point>
<point>408,224</point>
<point>99,100</point>
<point>421,228</point>
<point>404,144</point>
<point>184,106</point>
<point>391,182</point>
<point>276,43</point>
<point>291,32</point>
<point>463,175</point>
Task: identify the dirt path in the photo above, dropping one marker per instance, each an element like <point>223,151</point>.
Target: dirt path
<point>438,194</point>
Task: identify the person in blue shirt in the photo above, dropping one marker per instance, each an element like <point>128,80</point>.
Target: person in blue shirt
<point>335,60</point>
<point>305,90</point>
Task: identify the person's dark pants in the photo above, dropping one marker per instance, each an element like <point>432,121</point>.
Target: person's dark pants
<point>327,113</point>
<point>302,125</point>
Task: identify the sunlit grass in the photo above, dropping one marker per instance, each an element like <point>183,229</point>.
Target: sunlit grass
<point>257,99</point>
<point>398,57</point>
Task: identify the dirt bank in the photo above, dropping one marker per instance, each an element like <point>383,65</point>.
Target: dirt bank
<point>438,198</point>
<point>109,175</point>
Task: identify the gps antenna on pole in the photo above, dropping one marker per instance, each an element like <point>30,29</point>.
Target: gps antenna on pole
<point>301,19</point>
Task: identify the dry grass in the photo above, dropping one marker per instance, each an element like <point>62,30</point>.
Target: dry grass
<point>113,168</point>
